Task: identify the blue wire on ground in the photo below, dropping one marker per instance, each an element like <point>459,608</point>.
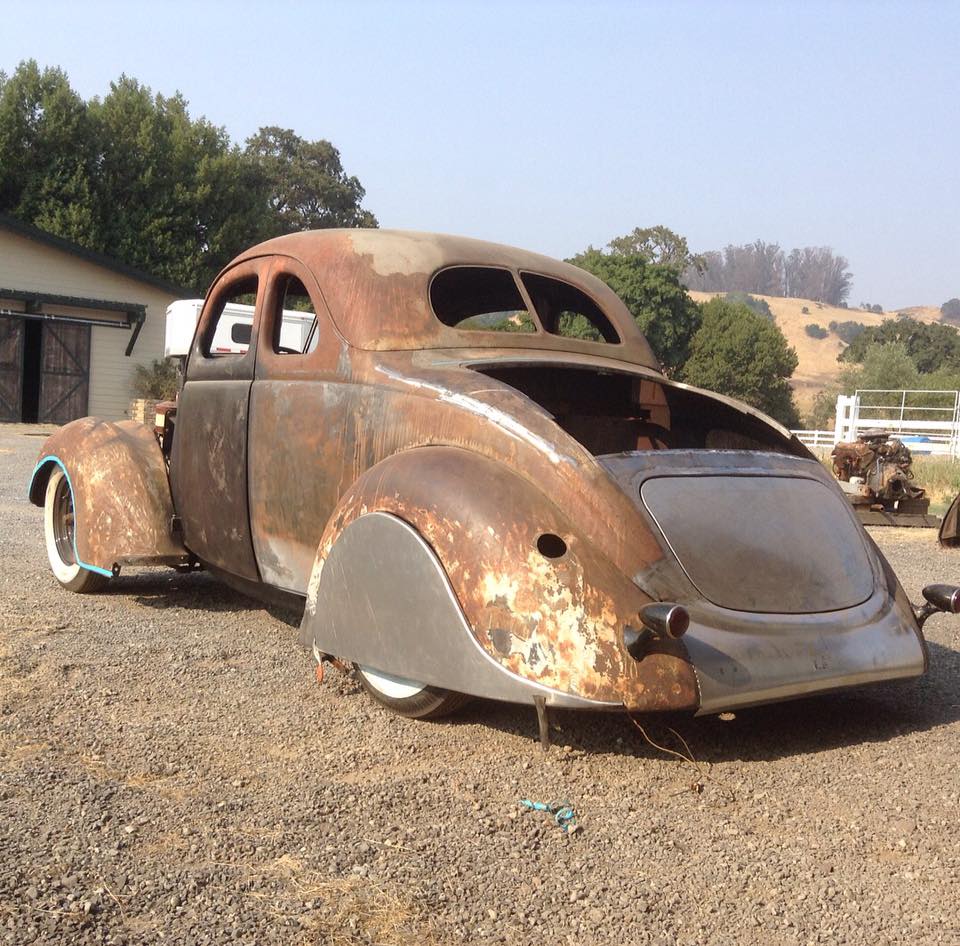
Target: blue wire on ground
<point>562,811</point>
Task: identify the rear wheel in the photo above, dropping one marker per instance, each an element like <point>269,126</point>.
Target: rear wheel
<point>408,697</point>
<point>59,526</point>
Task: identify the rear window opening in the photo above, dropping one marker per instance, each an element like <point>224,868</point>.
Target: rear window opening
<point>479,298</point>
<point>488,299</point>
<point>565,310</point>
<point>614,412</point>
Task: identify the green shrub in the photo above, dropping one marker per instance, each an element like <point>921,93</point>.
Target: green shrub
<point>759,306</point>
<point>158,381</point>
<point>740,353</point>
<point>847,331</point>
<point>815,331</point>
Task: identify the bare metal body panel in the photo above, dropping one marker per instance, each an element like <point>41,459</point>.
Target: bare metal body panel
<point>209,461</point>
<point>740,541</point>
<point>742,660</point>
<point>555,622</point>
<point>383,600</point>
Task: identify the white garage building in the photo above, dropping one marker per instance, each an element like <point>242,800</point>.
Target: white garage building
<point>73,324</point>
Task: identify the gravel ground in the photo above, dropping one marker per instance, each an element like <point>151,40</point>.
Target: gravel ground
<point>170,771</point>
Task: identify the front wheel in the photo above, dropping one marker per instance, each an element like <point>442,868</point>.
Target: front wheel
<point>59,526</point>
<point>408,697</point>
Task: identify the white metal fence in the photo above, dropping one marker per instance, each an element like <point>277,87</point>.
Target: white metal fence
<point>927,421</point>
<point>815,438</point>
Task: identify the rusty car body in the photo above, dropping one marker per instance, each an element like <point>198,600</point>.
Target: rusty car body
<point>476,481</point>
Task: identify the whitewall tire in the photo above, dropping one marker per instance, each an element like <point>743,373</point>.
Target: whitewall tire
<point>59,526</point>
<point>408,697</point>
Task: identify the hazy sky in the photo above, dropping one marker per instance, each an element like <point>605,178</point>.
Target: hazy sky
<point>556,125</point>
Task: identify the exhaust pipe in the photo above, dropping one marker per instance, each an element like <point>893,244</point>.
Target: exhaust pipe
<point>659,620</point>
<point>940,598</point>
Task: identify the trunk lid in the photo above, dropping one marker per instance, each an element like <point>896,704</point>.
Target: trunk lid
<point>775,544</point>
<point>754,532</point>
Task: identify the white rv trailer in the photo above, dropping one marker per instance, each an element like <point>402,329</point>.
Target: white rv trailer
<point>233,329</point>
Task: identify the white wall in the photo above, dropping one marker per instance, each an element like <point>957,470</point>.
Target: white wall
<point>30,265</point>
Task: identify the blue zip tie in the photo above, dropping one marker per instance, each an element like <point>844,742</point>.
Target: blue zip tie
<point>562,811</point>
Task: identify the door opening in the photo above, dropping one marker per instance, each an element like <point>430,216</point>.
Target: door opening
<point>32,348</point>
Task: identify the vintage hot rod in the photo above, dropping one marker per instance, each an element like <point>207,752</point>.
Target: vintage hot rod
<point>471,474</point>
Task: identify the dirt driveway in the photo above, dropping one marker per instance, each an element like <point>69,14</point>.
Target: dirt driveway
<point>171,772</point>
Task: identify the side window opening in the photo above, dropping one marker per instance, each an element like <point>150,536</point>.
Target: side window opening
<point>565,310</point>
<point>480,298</point>
<point>231,325</point>
<point>295,330</point>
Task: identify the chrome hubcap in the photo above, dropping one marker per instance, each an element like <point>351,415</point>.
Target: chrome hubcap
<point>63,522</point>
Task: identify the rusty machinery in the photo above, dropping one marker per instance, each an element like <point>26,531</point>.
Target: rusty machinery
<point>876,474</point>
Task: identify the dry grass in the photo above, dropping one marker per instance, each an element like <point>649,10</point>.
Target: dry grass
<point>818,366</point>
<point>362,911</point>
<point>939,476</point>
<point>345,910</point>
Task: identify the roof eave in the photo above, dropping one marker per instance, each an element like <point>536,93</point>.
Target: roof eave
<point>91,256</point>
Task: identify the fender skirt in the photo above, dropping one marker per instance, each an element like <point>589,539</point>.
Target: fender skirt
<point>121,493</point>
<point>382,599</point>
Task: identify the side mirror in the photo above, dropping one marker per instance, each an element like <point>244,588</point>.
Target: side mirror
<point>945,598</point>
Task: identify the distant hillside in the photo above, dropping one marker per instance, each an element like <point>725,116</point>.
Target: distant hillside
<point>818,356</point>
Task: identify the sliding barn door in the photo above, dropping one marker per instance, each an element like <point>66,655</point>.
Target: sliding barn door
<point>64,372</point>
<point>11,368</point>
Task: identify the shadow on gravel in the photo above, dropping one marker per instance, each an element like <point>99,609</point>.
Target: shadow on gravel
<point>875,713</point>
<point>196,591</point>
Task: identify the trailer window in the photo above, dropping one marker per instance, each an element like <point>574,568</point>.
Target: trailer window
<point>479,299</point>
<point>295,330</point>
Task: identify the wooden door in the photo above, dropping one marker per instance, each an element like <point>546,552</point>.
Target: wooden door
<point>64,372</point>
<point>11,368</point>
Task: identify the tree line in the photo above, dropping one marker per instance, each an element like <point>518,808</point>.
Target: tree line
<point>134,176</point>
<point>810,272</point>
<point>730,345</point>
<point>899,354</point>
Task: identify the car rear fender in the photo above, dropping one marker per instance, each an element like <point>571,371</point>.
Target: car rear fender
<point>121,493</point>
<point>548,621</point>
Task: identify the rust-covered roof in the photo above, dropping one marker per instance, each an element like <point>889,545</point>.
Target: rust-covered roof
<point>376,285</point>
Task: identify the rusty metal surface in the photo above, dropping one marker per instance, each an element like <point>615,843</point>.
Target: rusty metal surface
<point>121,493</point>
<point>949,534</point>
<point>208,474</point>
<point>743,658</point>
<point>375,285</point>
<point>208,457</point>
<point>324,433</point>
<point>557,622</point>
<point>276,455</point>
<point>884,465</point>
